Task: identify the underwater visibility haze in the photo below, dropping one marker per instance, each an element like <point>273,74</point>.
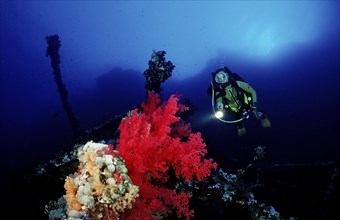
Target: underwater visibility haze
<point>77,109</point>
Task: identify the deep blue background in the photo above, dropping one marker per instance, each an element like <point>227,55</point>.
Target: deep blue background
<point>288,51</point>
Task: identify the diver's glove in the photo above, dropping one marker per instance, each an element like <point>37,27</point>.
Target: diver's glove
<point>219,106</point>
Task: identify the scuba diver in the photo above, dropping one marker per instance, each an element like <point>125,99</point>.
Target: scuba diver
<point>233,95</point>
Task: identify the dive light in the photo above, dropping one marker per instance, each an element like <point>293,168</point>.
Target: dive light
<point>219,114</point>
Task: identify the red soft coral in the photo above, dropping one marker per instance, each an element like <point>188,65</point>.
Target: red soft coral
<point>151,143</point>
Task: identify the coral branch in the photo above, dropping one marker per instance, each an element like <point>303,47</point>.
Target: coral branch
<point>151,150</point>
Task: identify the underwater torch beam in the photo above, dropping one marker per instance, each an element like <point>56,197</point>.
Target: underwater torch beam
<point>53,52</point>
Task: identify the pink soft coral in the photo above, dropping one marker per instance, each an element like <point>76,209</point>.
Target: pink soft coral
<point>151,142</point>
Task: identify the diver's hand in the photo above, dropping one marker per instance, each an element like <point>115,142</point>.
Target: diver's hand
<point>219,106</point>
<point>254,105</point>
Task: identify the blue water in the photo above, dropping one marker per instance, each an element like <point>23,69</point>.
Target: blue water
<point>287,50</point>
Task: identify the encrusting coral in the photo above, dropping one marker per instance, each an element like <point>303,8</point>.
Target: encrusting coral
<point>101,187</point>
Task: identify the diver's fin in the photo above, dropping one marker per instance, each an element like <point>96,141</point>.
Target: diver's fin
<point>265,122</point>
<point>241,130</point>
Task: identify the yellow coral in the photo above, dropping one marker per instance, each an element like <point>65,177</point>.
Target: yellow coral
<point>89,158</point>
<point>96,185</point>
<point>71,196</point>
